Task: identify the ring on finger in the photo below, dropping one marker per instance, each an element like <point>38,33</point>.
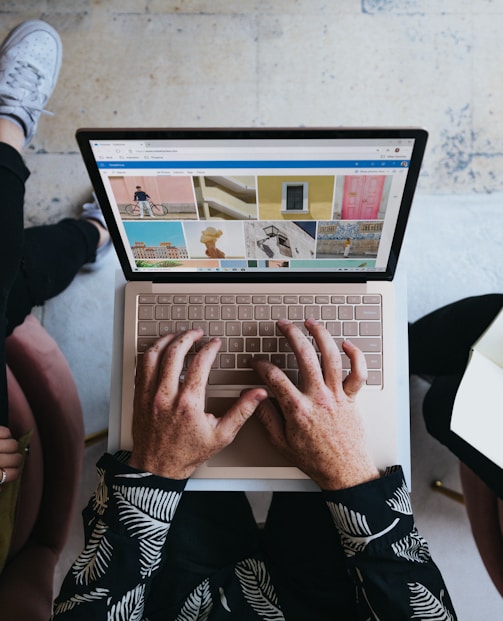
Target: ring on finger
<point>4,476</point>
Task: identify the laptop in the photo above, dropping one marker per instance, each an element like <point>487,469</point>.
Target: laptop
<point>231,229</point>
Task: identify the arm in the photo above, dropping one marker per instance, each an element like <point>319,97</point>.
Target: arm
<point>387,559</point>
<point>317,426</point>
<point>127,520</point>
<point>125,527</point>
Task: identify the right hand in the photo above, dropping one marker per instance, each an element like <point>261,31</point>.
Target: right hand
<point>318,426</point>
<point>11,459</point>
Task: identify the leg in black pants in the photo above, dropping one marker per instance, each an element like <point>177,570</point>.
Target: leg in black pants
<point>212,531</point>
<point>13,175</point>
<point>304,556</point>
<point>37,263</point>
<point>439,345</point>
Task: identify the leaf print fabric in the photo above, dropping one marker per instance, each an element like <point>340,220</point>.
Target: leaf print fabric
<point>426,606</point>
<point>127,529</point>
<point>198,604</point>
<point>258,590</point>
<point>94,560</point>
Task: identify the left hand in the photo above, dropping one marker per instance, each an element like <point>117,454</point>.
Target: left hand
<point>11,459</point>
<point>172,433</point>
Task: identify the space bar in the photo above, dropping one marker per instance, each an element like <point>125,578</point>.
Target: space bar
<point>234,378</point>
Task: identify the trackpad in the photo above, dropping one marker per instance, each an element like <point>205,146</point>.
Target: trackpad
<point>251,447</point>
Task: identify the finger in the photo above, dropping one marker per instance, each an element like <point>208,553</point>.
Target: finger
<point>307,360</point>
<point>147,369</point>
<point>8,445</point>
<point>11,474</point>
<point>232,421</point>
<point>330,356</point>
<point>196,377</point>
<point>271,418</point>
<point>173,358</point>
<point>10,460</point>
<point>358,375</point>
<point>4,432</point>
<point>277,382</point>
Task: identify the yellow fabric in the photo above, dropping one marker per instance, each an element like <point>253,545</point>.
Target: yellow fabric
<point>8,502</point>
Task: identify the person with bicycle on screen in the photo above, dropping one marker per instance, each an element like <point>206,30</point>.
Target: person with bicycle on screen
<point>142,199</point>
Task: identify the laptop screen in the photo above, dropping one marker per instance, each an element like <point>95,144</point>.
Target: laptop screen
<point>213,201</point>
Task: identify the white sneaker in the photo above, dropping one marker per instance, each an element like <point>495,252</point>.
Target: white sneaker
<point>30,60</point>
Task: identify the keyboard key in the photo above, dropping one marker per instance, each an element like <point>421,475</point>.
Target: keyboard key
<point>295,312</point>
<point>312,312</point>
<point>147,328</point>
<point>374,378</point>
<point>266,328</point>
<point>178,312</point>
<point>270,345</point>
<point>374,361</point>
<point>166,327</point>
<point>245,312</point>
<point>233,328</point>
<point>368,312</point>
<point>229,312</point>
<point>370,328</point>
<point>345,312</point>
<point>350,328</point>
<point>163,312</point>
<point>278,312</point>
<point>227,361</point>
<point>217,328</point>
<point>196,312</point>
<point>249,328</point>
<point>146,312</point>
<point>262,312</point>
<point>252,345</point>
<point>368,344</point>
<point>236,344</point>
<point>328,312</point>
<point>212,312</point>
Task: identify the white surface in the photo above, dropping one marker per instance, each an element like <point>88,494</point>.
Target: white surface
<point>477,412</point>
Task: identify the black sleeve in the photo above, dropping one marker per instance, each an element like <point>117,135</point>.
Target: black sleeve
<point>125,527</point>
<point>389,562</point>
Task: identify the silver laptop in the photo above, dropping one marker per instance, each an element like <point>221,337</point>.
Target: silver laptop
<point>232,229</point>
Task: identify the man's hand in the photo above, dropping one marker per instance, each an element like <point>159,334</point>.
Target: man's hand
<point>172,433</point>
<point>11,459</point>
<point>318,426</point>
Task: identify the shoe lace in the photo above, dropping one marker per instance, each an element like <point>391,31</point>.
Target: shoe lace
<point>25,78</point>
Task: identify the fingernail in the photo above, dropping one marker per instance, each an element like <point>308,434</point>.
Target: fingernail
<point>311,322</point>
<point>283,322</point>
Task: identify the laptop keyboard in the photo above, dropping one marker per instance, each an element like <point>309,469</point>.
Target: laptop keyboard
<point>246,326</point>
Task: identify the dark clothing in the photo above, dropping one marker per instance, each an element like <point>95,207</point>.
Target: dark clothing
<point>439,346</point>
<point>35,263</point>
<point>139,195</point>
<point>156,553</point>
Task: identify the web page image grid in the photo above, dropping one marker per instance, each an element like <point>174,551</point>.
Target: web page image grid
<point>255,207</point>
